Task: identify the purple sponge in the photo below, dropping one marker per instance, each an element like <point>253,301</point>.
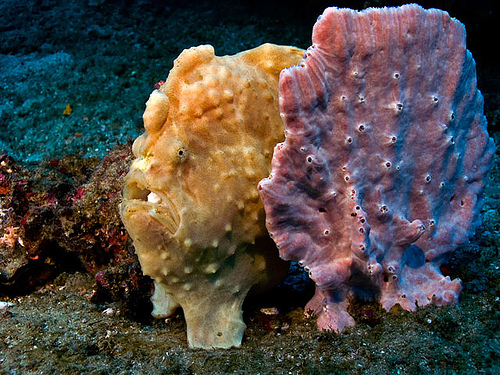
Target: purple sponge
<point>385,157</point>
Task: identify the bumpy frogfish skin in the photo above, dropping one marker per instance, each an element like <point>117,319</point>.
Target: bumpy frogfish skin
<point>190,201</point>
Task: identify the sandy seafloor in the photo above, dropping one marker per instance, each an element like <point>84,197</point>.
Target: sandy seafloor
<point>102,58</point>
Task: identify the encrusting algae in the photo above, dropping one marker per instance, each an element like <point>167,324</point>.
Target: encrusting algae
<point>190,201</point>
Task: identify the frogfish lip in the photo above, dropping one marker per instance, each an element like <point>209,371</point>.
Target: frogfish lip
<point>158,205</point>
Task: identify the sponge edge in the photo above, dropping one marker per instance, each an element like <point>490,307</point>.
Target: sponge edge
<point>190,201</point>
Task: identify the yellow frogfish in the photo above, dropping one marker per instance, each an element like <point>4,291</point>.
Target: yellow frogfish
<point>190,201</point>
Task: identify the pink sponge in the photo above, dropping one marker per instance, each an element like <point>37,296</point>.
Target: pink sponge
<point>386,152</point>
